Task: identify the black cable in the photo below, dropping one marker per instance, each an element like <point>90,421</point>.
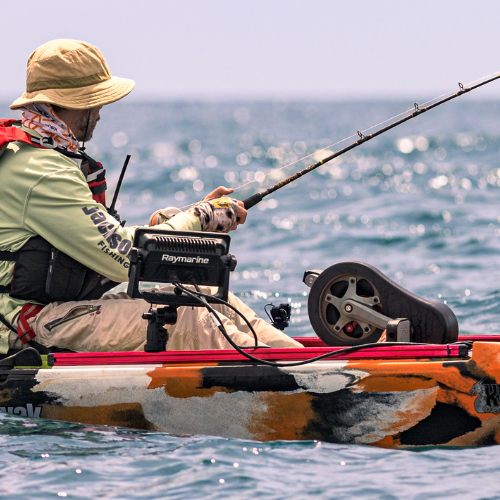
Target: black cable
<point>221,301</point>
<point>297,363</point>
<point>214,312</point>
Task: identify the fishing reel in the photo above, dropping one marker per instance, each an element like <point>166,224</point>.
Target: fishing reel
<point>279,315</point>
<point>352,303</point>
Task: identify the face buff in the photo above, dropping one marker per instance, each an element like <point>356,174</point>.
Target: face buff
<point>42,119</point>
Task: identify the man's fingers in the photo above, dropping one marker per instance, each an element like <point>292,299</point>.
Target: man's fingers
<point>242,216</point>
<point>218,193</point>
<point>242,213</point>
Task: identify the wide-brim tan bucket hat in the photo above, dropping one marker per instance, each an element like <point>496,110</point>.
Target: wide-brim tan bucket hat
<point>71,74</point>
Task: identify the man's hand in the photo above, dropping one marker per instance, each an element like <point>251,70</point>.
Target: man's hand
<point>221,191</point>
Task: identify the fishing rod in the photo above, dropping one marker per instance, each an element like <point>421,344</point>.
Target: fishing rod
<point>258,197</point>
<point>112,210</point>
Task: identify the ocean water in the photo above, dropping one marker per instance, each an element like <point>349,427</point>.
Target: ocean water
<point>421,203</point>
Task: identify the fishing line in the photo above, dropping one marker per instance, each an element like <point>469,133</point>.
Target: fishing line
<point>259,196</point>
<point>331,145</point>
<point>447,94</point>
<point>364,137</point>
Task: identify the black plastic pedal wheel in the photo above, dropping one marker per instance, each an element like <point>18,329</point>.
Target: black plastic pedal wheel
<point>432,321</point>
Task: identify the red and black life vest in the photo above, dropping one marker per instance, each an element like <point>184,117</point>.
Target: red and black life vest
<point>43,273</point>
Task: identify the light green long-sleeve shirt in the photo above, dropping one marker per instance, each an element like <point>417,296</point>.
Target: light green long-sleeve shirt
<point>44,193</point>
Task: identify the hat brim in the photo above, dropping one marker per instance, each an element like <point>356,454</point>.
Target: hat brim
<point>92,96</point>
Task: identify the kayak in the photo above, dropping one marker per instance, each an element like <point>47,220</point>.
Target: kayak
<point>393,396</point>
<point>426,386</point>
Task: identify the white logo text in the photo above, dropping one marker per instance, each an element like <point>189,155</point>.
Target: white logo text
<point>190,260</point>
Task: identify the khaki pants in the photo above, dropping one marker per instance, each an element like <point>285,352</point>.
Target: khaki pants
<point>114,323</point>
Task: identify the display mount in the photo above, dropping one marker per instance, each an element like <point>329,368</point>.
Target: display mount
<point>161,257</point>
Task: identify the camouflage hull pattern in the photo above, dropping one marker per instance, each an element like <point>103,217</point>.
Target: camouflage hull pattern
<point>393,403</point>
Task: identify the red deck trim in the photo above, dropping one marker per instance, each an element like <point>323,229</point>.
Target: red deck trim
<point>317,342</point>
<point>220,355</point>
<point>480,338</point>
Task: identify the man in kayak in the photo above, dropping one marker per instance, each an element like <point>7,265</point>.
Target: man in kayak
<point>60,249</point>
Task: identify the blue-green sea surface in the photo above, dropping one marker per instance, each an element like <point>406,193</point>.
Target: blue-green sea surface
<point>47,460</point>
<point>421,203</point>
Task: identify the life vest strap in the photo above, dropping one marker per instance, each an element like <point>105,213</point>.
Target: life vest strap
<point>9,256</point>
<point>24,331</point>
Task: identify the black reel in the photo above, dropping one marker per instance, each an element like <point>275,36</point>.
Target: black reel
<point>352,303</point>
<point>279,315</point>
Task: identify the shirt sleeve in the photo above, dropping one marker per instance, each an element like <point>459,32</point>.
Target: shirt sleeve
<point>60,208</point>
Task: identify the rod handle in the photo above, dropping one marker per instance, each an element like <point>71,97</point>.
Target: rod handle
<point>252,200</point>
